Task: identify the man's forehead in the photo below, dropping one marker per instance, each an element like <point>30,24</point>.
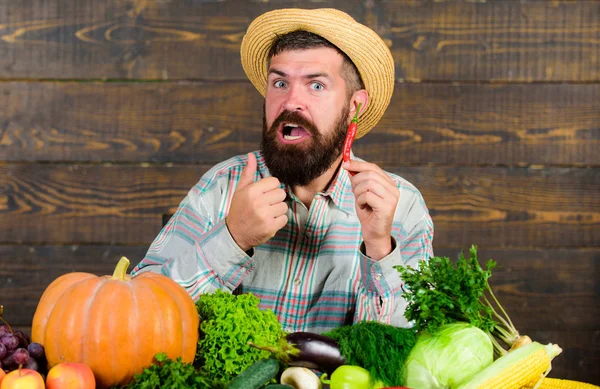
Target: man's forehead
<point>312,60</point>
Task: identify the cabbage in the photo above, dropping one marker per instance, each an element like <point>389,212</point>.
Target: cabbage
<point>448,357</point>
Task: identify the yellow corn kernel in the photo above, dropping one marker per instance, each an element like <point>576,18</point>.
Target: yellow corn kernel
<point>524,365</point>
<point>555,383</point>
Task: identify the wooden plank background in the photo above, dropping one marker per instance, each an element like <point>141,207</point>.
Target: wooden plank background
<point>112,110</point>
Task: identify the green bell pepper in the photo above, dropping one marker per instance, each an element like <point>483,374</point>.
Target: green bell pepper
<point>350,377</point>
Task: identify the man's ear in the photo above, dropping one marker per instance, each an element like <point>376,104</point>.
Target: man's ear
<point>362,97</point>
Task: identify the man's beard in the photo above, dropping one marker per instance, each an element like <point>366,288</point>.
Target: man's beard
<point>299,165</point>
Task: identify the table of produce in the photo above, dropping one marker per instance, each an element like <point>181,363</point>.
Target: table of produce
<point>146,332</point>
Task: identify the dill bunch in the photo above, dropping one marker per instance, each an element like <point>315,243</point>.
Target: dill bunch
<point>381,349</point>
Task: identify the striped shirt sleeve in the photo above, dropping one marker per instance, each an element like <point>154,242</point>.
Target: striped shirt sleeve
<point>380,297</point>
<point>195,248</point>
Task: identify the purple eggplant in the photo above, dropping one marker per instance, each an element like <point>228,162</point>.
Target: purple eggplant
<point>315,351</point>
<point>309,350</point>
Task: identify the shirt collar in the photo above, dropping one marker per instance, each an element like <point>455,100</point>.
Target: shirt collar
<point>339,191</point>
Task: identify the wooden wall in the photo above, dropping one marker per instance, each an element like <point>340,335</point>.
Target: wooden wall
<point>112,110</point>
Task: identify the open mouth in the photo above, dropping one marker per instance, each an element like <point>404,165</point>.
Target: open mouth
<point>293,133</point>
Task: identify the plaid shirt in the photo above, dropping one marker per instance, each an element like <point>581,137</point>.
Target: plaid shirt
<point>313,273</point>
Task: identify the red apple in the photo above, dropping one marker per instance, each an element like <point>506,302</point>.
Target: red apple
<point>22,379</point>
<point>70,375</point>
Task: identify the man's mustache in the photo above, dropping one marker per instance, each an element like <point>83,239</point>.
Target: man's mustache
<point>296,118</point>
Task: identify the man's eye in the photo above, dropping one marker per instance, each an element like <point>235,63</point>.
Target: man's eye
<point>316,86</point>
<point>279,84</point>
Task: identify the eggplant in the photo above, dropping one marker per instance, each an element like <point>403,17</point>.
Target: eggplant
<point>307,349</point>
<point>316,351</point>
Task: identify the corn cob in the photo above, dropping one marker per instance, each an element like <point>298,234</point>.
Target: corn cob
<point>524,365</point>
<point>555,383</point>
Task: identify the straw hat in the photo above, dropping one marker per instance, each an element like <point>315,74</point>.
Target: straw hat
<point>364,47</point>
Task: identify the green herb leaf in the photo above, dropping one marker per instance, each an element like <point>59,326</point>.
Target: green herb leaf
<point>172,374</point>
<point>368,343</point>
<point>441,292</point>
<point>228,323</point>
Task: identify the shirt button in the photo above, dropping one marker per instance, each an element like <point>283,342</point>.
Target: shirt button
<point>378,276</point>
<point>297,281</point>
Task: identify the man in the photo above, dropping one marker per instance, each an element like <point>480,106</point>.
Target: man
<point>316,240</point>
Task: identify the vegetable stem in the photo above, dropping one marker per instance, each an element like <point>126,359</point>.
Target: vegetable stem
<point>120,272</point>
<point>271,349</point>
<point>509,324</point>
<point>496,313</point>
<point>507,332</point>
<point>498,349</point>
<point>4,321</point>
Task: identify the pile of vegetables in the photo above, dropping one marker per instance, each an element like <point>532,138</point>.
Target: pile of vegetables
<point>228,323</point>
<point>444,296</point>
<point>362,345</point>
<point>449,303</point>
<point>368,343</point>
<point>441,292</point>
<point>461,338</point>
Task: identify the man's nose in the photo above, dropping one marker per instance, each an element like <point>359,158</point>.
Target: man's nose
<point>294,100</point>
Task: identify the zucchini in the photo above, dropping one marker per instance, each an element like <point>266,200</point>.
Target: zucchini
<point>278,386</point>
<point>256,375</point>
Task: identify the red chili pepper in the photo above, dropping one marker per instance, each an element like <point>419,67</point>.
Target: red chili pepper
<point>350,137</point>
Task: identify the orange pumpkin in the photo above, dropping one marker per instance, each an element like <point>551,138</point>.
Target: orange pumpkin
<point>115,324</point>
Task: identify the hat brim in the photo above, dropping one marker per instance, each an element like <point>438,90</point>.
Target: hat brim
<point>363,46</point>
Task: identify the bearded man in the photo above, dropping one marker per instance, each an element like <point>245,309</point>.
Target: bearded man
<point>315,238</point>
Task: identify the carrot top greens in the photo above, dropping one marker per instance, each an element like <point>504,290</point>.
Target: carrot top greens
<point>442,292</point>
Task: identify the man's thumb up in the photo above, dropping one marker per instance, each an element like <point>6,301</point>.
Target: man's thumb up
<point>248,173</point>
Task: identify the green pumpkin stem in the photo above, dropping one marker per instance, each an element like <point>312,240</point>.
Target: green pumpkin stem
<point>120,272</point>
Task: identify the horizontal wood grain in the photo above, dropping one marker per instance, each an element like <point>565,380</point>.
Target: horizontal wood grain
<point>90,203</point>
<point>543,289</point>
<point>208,122</point>
<point>522,207</point>
<point>112,110</point>
<point>125,204</point>
<point>130,39</point>
<point>498,40</point>
<point>550,294</point>
<point>495,40</point>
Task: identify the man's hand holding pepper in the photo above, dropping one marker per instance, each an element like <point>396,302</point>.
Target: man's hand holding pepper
<point>376,199</point>
<point>257,209</point>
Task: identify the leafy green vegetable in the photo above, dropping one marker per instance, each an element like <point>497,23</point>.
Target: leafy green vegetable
<point>168,373</point>
<point>432,363</point>
<point>442,292</point>
<point>227,323</point>
<point>368,343</point>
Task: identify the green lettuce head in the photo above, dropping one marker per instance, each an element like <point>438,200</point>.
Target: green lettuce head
<point>227,323</point>
<point>448,357</point>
